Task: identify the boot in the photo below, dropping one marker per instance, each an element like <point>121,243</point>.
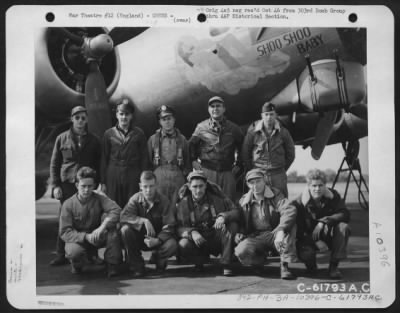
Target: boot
<point>258,270</point>
<point>227,271</point>
<point>59,260</point>
<point>334,272</point>
<point>198,268</point>
<point>112,270</point>
<point>161,265</point>
<point>138,272</point>
<point>311,266</point>
<point>285,272</point>
<point>75,269</point>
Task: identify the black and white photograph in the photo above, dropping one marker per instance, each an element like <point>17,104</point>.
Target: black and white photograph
<point>217,156</point>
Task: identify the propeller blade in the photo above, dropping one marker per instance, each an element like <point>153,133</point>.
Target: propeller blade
<point>121,34</point>
<point>322,134</point>
<point>78,40</point>
<point>96,101</point>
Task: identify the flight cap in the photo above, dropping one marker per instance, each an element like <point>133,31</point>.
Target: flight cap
<point>268,107</point>
<point>78,109</point>
<point>216,99</point>
<point>254,173</point>
<point>124,105</point>
<point>196,174</point>
<point>164,111</point>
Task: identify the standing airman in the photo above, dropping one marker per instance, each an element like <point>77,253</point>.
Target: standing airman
<point>169,153</point>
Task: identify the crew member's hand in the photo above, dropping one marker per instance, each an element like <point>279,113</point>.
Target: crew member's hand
<point>197,238</point>
<point>279,241</point>
<point>235,170</point>
<point>220,223</point>
<point>57,193</point>
<point>97,233</point>
<point>317,231</point>
<point>328,220</point>
<point>150,232</point>
<point>90,239</point>
<point>102,188</point>
<point>239,237</point>
<point>151,242</point>
<point>196,165</point>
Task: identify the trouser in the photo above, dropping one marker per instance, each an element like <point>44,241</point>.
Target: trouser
<point>78,253</point>
<point>335,237</point>
<point>133,242</point>
<point>68,190</point>
<point>122,182</point>
<point>252,251</point>
<point>226,180</point>
<point>217,241</point>
<point>169,179</point>
<point>278,180</point>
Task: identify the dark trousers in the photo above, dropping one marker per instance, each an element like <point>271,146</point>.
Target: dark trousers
<point>217,241</point>
<point>122,182</point>
<point>253,250</point>
<point>336,239</point>
<point>78,253</point>
<point>68,190</point>
<point>133,242</point>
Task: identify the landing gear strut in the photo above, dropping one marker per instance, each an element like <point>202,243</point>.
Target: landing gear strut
<point>351,150</point>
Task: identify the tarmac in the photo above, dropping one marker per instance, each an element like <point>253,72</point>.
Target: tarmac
<point>181,279</point>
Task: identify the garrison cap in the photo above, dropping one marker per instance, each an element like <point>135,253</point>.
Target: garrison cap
<point>254,173</point>
<point>78,109</point>
<point>268,107</point>
<point>165,110</point>
<point>215,99</point>
<point>124,105</point>
<point>196,174</point>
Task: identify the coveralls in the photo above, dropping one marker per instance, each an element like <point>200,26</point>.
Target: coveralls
<point>124,158</point>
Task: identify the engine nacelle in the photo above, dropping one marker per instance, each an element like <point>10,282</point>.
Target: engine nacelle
<point>60,74</point>
<point>326,88</point>
<point>331,90</point>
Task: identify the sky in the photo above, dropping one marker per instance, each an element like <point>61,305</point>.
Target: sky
<point>331,158</point>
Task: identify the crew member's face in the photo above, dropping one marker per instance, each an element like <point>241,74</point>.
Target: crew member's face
<point>124,118</point>
<point>269,119</point>
<point>148,188</point>
<point>79,121</point>
<point>257,185</point>
<point>85,187</point>
<point>167,122</point>
<point>198,188</point>
<point>216,110</point>
<point>317,188</point>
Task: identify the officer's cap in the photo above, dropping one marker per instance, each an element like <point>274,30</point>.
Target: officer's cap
<point>268,107</point>
<point>196,174</point>
<point>254,173</point>
<point>164,111</point>
<point>124,105</point>
<point>215,99</point>
<point>78,109</point>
